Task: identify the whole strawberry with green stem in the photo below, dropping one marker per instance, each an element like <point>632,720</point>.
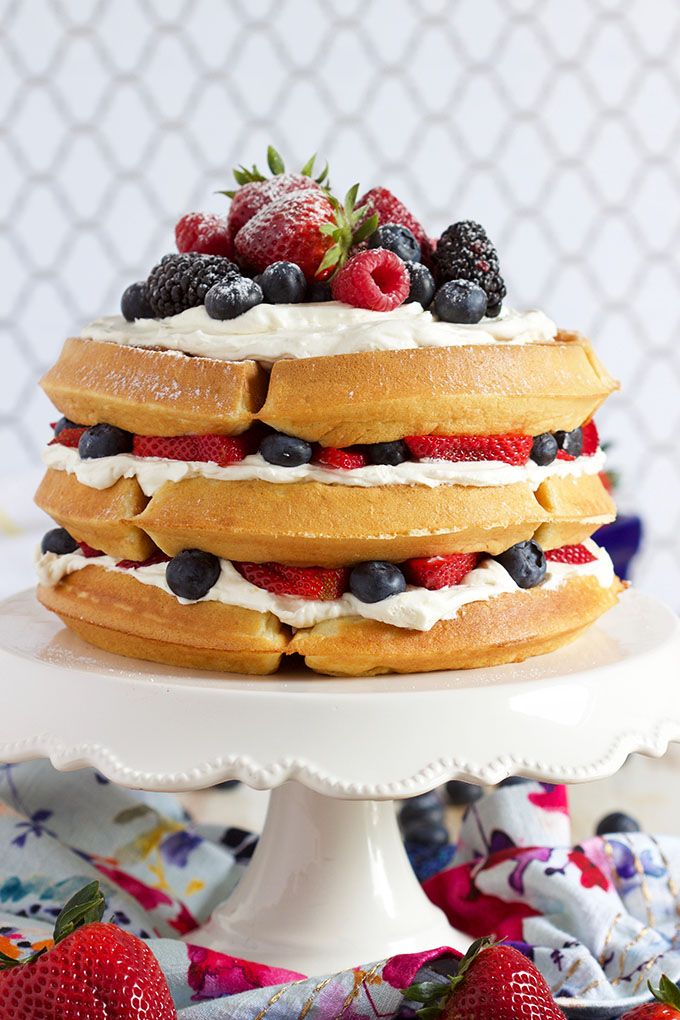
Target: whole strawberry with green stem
<point>310,228</point>
<point>255,191</point>
<point>494,982</point>
<point>666,1005</point>
<point>94,970</point>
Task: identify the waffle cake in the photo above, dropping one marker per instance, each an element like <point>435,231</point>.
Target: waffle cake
<point>315,431</point>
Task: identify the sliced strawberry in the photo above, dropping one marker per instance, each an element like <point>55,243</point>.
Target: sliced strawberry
<point>68,437</point>
<point>150,561</point>
<point>435,572</point>
<point>331,457</point>
<point>574,554</point>
<point>324,583</point>
<point>88,552</point>
<point>591,439</point>
<point>221,450</point>
<point>509,448</point>
<point>563,455</point>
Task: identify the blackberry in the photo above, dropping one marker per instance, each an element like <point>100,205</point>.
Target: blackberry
<point>179,282</point>
<point>464,252</point>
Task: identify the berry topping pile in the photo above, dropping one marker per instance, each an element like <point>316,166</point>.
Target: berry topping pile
<point>286,239</point>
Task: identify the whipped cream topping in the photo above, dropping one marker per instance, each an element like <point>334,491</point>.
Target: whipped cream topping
<point>267,333</point>
<point>153,472</point>
<point>414,609</point>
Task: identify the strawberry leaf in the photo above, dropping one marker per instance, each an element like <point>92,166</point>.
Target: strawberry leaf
<point>8,962</point>
<point>308,169</point>
<point>274,161</point>
<point>367,228</point>
<point>667,992</point>
<point>86,907</point>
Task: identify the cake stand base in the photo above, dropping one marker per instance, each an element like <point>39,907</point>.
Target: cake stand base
<point>328,885</point>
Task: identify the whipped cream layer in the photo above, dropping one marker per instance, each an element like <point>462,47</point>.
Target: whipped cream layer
<point>267,333</point>
<point>414,609</point>
<point>153,472</point>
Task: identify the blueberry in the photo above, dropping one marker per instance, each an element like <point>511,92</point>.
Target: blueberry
<point>460,301</point>
<point>64,423</point>
<point>617,821</point>
<point>426,832</point>
<point>286,451</point>
<point>525,562</point>
<point>427,805</point>
<point>283,283</point>
<point>387,453</point>
<point>398,239</point>
<point>571,442</point>
<point>460,793</point>
<point>135,304</point>
<point>232,296</point>
<point>320,290</point>
<point>422,284</point>
<point>58,541</point>
<point>192,573</point>
<point>544,449</point>
<point>376,580</point>
<point>104,441</point>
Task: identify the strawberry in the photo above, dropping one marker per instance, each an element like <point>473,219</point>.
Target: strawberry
<point>204,232</point>
<point>93,970</point>
<point>324,583</point>
<point>330,457</point>
<point>509,448</point>
<point>494,982</point>
<point>434,572</point>
<point>88,552</point>
<point>68,437</point>
<point>665,1007</point>
<point>255,191</point>
<point>389,209</point>
<point>570,554</point>
<point>591,439</point>
<point>375,279</point>
<point>221,450</point>
<point>150,561</point>
<point>310,228</point>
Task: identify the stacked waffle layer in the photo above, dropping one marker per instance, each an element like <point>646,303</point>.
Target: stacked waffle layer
<point>375,492</point>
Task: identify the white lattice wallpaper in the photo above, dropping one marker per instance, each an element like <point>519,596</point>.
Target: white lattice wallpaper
<point>555,123</point>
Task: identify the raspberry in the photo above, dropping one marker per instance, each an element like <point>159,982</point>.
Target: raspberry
<point>591,439</point>
<point>179,282</point>
<point>222,450</point>
<point>464,252</point>
<point>323,583</point>
<point>435,572</point>
<point>204,232</point>
<point>375,279</point>
<point>574,554</point>
<point>330,457</point>
<point>509,448</point>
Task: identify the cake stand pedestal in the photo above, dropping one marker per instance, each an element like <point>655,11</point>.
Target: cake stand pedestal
<point>329,883</point>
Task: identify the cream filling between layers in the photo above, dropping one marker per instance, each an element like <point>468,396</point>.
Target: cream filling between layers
<point>153,472</point>
<point>414,609</point>
<point>267,333</point>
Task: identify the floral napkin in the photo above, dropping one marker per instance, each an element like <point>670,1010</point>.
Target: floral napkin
<point>598,919</point>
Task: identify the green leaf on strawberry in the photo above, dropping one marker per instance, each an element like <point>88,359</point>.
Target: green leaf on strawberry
<point>668,992</point>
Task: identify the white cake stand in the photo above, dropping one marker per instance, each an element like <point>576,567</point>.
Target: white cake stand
<point>330,884</point>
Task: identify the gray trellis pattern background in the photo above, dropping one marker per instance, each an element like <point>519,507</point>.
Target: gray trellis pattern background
<point>555,123</point>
